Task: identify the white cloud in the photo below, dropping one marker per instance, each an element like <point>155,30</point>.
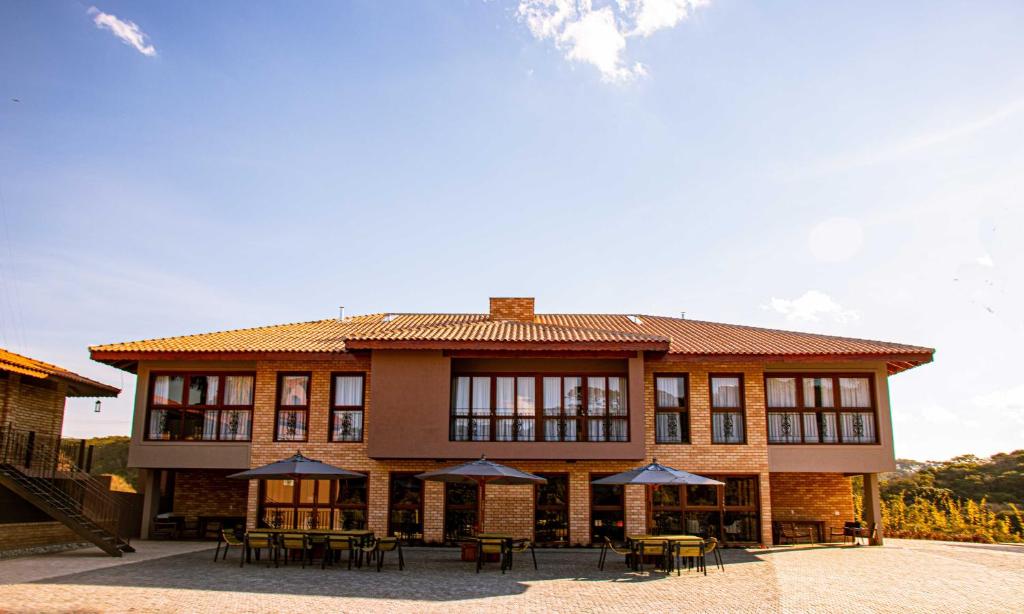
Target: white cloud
<point>127,31</point>
<point>598,36</point>
<point>811,307</point>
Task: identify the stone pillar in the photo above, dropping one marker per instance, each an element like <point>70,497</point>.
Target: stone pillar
<point>150,499</point>
<point>433,512</point>
<point>636,510</point>
<point>765,490</point>
<point>873,507</point>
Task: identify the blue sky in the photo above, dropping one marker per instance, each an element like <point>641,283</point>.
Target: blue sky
<point>184,167</point>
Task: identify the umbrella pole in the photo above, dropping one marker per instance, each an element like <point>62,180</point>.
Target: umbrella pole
<point>480,484</point>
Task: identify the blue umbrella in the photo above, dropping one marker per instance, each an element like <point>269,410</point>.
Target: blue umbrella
<point>656,474</point>
<point>297,467</point>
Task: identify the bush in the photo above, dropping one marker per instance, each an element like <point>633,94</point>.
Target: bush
<point>948,518</point>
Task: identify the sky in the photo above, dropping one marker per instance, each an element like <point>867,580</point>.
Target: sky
<point>854,169</point>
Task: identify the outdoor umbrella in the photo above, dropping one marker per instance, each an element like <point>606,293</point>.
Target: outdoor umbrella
<point>297,467</point>
<point>481,472</point>
<point>656,474</point>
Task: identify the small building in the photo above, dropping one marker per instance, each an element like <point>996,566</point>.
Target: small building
<point>784,419</point>
<point>38,468</point>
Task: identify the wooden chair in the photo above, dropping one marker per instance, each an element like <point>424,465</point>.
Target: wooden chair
<point>651,547</point>
<point>228,538</point>
<point>519,546</point>
<point>288,542</point>
<point>790,532</point>
<point>259,541</point>
<point>690,553</point>
<point>607,546</point>
<point>335,545</point>
<point>711,546</point>
<point>389,544</point>
<point>487,547</point>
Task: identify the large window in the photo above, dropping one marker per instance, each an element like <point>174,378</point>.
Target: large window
<point>607,512</point>
<point>313,504</point>
<point>729,513</point>
<point>573,408</point>
<point>347,406</point>
<point>292,421</point>
<point>727,409</point>
<point>551,510</point>
<point>460,511</point>
<point>817,408</point>
<point>405,507</point>
<point>200,406</point>
<point>671,409</point>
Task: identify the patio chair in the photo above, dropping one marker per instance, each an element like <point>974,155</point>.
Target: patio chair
<point>228,538</point>
<point>519,546</point>
<point>335,545</point>
<point>793,534</point>
<point>652,547</point>
<point>487,547</point>
<point>258,541</point>
<point>389,544</point>
<point>289,542</point>
<point>164,527</point>
<point>841,532</point>
<point>607,546</point>
<point>690,553</point>
<point>712,547</point>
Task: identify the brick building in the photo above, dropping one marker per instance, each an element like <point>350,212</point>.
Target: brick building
<point>32,400</point>
<point>783,418</point>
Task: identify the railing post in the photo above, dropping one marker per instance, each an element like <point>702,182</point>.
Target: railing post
<point>29,445</point>
<point>88,459</point>
<point>81,453</point>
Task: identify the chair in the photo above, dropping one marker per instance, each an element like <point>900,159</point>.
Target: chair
<point>289,542</point>
<point>519,546</point>
<point>711,546</point>
<point>690,552</point>
<point>607,546</point>
<point>336,544</point>
<point>651,547</point>
<point>842,532</point>
<point>228,538</point>
<point>794,534</point>
<point>486,547</point>
<point>164,527</point>
<point>258,541</point>
<point>389,544</point>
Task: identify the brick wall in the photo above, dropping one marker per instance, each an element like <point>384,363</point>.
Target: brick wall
<point>208,492</point>
<point>812,496</point>
<point>32,406</point>
<point>33,534</point>
<point>515,309</point>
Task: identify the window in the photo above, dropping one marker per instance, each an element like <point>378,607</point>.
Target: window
<point>727,412</point>
<point>405,503</point>
<point>607,512</point>
<point>460,511</point>
<point>292,407</point>
<point>671,407</point>
<point>820,408</point>
<point>551,510</point>
<point>347,406</point>
<point>313,504</point>
<point>200,407</point>
<point>572,408</point>
<point>729,513</point>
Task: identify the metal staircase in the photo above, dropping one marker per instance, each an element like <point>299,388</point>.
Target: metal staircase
<point>43,471</point>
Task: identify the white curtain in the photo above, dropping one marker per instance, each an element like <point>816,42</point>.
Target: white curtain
<point>668,428</point>
<point>481,430</point>
<point>725,392</point>
<point>818,392</point>
<point>291,425</point>
<point>294,389</point>
<point>167,389</point>
<point>783,427</point>
<point>526,429</point>
<point>526,396</point>
<point>781,392</point>
<point>552,396</point>
<point>157,423</point>
<point>238,389</point>
<point>348,391</point>
<point>210,424</point>
<point>570,430</point>
<point>348,426</point>
<point>671,391</point>
<point>854,392</point>
<point>617,403</point>
<point>482,396</point>
<point>234,425</point>
<point>596,402</point>
<point>858,427</point>
<point>811,428</point>
<point>460,431</point>
<point>203,390</point>
<point>618,430</point>
<point>595,430</point>
<point>551,430</point>
<point>573,395</point>
<point>504,429</point>
<point>461,396</point>
<point>727,427</point>
<point>504,396</point>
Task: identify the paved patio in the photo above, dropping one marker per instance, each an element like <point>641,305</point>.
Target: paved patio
<point>172,577</point>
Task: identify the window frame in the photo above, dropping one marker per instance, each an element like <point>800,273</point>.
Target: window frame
<point>618,508</point>
<point>742,409</point>
<point>720,507</point>
<point>582,417</point>
<point>278,407</point>
<point>837,408</point>
<point>184,407</point>
<point>332,408</point>
<point>333,508</point>
<point>688,440</point>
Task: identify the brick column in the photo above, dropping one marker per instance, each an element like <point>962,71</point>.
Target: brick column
<point>636,510</point>
<point>433,512</point>
<point>873,507</point>
<point>252,505</point>
<point>377,507</point>
<point>579,508</point>
<point>764,488</point>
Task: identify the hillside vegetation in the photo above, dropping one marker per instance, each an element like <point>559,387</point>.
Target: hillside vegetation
<point>110,457</point>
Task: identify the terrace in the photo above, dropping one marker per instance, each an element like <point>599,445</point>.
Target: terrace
<point>181,576</point>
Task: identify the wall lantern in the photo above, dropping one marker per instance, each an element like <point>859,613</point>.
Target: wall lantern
<point>96,408</point>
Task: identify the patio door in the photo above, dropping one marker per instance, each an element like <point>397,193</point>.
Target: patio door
<point>460,510</point>
<point>730,513</point>
<point>551,510</point>
<point>607,511</point>
<point>405,507</point>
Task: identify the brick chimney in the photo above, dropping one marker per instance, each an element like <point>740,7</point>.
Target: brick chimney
<point>515,309</point>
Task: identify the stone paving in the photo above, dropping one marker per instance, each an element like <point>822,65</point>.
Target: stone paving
<point>903,576</point>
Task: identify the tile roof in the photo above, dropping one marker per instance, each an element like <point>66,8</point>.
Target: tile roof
<point>548,331</point>
<point>78,386</point>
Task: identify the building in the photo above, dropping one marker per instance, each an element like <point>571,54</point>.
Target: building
<point>783,418</point>
<point>33,456</point>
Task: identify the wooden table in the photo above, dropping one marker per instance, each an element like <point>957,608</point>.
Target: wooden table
<point>363,537</point>
<point>469,547</point>
<point>638,540</point>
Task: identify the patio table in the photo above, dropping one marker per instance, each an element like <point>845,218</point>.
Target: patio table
<point>638,540</point>
<point>361,536</point>
<point>504,537</point>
